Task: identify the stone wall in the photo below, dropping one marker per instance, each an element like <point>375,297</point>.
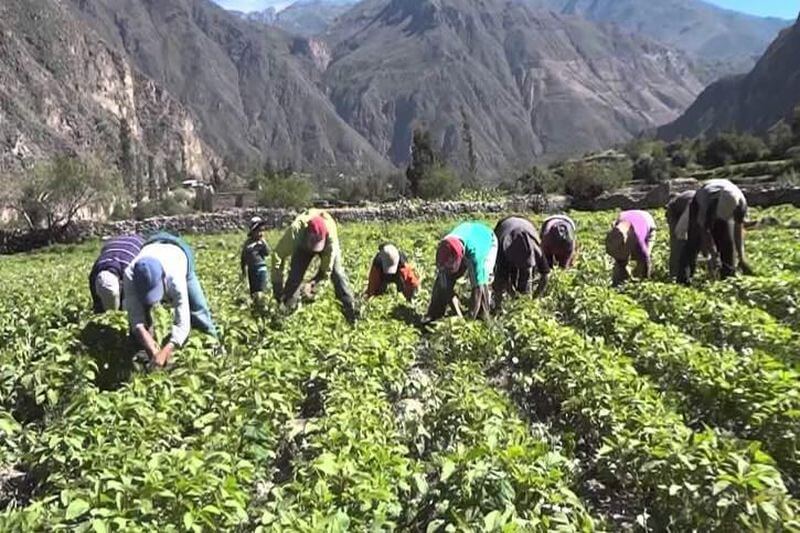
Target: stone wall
<point>237,219</point>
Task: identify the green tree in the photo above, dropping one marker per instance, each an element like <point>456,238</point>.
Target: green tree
<point>423,160</point>
<point>651,168</point>
<point>57,191</point>
<point>588,180</point>
<point>440,182</point>
<point>292,191</point>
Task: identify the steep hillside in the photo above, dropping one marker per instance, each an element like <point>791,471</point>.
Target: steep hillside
<point>253,97</point>
<point>753,102</point>
<point>531,84</point>
<point>63,90</point>
<point>310,17</point>
<point>727,41</point>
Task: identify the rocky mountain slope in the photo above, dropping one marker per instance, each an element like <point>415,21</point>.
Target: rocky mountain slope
<point>310,17</point>
<point>530,84</point>
<point>62,89</point>
<point>753,102</point>
<point>727,41</point>
<point>255,92</point>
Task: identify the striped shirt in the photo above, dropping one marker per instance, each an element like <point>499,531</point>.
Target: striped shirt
<point>115,256</point>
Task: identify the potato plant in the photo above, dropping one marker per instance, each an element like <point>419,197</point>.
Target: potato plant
<point>654,407</point>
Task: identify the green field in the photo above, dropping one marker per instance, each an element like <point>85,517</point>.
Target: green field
<point>655,407</point>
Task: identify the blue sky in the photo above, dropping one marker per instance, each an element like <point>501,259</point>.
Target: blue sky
<point>787,9</point>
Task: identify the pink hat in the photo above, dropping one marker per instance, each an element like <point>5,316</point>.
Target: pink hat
<point>450,253</point>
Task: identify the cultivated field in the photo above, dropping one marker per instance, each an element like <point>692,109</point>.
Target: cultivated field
<point>654,407</point>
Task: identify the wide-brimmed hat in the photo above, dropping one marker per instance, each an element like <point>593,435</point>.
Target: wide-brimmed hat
<point>317,234</point>
<point>148,280</point>
<point>106,286</point>
<point>389,257</point>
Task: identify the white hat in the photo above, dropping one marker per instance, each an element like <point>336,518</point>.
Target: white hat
<point>106,285</point>
<point>389,257</point>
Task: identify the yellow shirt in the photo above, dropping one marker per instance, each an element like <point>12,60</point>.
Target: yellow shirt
<point>296,235</point>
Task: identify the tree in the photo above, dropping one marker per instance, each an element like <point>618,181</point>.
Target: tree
<point>727,148</point>
<point>796,123</point>
<point>423,160</point>
<point>56,191</point>
<point>466,136</point>
<point>440,182</point>
<point>127,160</point>
<point>651,168</point>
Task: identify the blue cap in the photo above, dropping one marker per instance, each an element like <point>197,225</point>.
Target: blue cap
<point>148,279</point>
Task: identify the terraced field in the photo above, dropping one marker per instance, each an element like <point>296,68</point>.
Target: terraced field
<point>653,407</point>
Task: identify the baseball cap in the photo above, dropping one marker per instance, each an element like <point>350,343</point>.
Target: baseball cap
<point>148,280</point>
<point>450,253</point>
<point>106,286</point>
<point>317,233</point>
<point>389,257</point>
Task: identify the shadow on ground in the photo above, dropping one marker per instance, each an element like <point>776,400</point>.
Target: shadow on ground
<point>113,352</point>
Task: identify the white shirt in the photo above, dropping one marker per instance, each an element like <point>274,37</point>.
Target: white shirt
<point>176,294</point>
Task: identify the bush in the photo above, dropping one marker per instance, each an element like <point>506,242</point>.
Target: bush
<point>170,205</point>
<point>538,180</point>
<point>440,182</point>
<point>293,192</point>
<point>585,181</point>
<point>650,169</point>
<point>729,148</point>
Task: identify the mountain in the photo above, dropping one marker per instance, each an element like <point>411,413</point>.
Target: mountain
<point>310,17</point>
<point>531,85</point>
<point>727,41</point>
<point>753,102</point>
<point>265,16</point>
<point>62,89</point>
<point>254,89</point>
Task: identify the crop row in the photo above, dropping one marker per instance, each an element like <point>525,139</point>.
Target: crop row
<point>718,322</point>
<point>751,394</point>
<point>673,476</point>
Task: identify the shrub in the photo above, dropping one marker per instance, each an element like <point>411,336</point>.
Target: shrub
<point>289,192</point>
<point>538,180</point>
<point>440,182</point>
<point>651,169</point>
<point>729,148</point>
<point>586,181</point>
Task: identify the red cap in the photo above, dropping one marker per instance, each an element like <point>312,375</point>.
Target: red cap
<point>317,228</point>
<point>450,253</point>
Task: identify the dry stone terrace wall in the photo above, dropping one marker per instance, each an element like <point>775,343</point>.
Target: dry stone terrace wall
<point>237,219</point>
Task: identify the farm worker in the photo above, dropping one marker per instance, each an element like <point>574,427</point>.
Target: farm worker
<point>105,279</point>
<point>558,241</point>
<point>254,258</point>
<point>519,255</point>
<point>164,271</point>
<point>631,237</point>
<point>311,234</point>
<point>390,266</point>
<point>718,207</point>
<point>470,248</point>
<point>677,211</point>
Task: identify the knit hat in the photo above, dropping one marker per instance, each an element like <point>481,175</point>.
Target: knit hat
<point>317,234</point>
<point>450,253</point>
<point>106,286</point>
<point>148,280</point>
<point>389,257</point>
